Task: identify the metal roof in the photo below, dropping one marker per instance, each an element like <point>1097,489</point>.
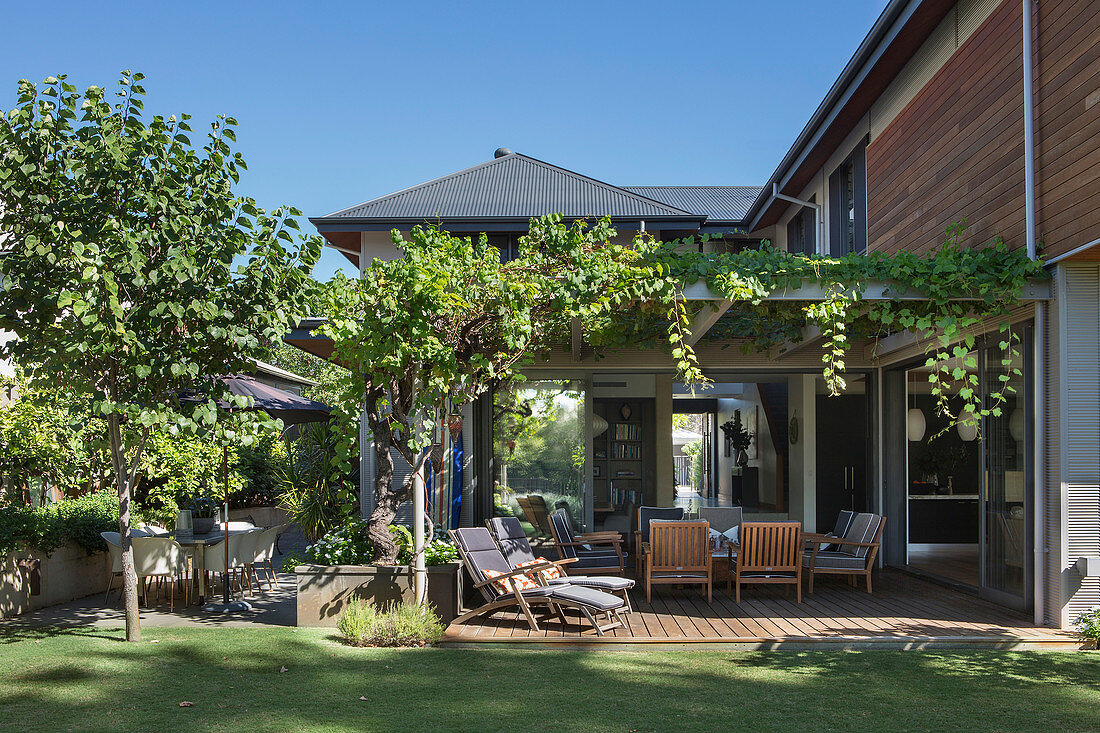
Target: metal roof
<point>722,203</point>
<point>512,185</point>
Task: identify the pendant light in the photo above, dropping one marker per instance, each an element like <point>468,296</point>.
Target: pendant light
<point>967,425</point>
<point>599,425</point>
<point>1016,426</point>
<point>915,424</point>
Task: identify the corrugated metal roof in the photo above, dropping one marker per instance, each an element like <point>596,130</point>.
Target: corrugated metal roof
<point>512,185</point>
<point>724,203</point>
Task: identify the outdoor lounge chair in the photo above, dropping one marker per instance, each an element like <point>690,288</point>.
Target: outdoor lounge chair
<point>678,553</point>
<point>593,554</point>
<point>770,552</point>
<point>535,512</point>
<point>490,571</point>
<point>512,540</point>
<point>856,551</point>
<point>647,514</point>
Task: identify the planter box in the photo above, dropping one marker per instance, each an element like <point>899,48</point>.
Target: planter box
<point>68,573</point>
<point>325,590</point>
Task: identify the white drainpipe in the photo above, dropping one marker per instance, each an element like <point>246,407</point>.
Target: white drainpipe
<point>819,221</point>
<point>1039,447</point>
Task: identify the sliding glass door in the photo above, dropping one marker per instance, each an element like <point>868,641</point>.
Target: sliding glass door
<point>540,447</point>
<point>1004,507</point>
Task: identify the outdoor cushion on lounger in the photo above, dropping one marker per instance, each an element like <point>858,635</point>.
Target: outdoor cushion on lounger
<point>517,550</point>
<point>586,596</point>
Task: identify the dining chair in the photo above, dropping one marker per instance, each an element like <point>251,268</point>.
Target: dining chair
<point>161,558</point>
<point>265,550</point>
<point>213,557</point>
<point>114,550</point>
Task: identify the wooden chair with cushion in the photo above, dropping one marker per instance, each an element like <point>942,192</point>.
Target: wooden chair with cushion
<point>855,552</point>
<point>770,552</point>
<point>647,514</point>
<point>677,553</point>
<point>594,555</point>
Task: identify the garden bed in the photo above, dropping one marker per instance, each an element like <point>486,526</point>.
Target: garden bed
<point>325,590</point>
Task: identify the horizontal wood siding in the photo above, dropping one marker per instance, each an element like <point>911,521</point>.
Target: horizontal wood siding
<point>956,151</point>
<point>1068,123</point>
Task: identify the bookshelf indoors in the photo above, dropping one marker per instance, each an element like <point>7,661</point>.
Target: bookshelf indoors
<point>622,455</point>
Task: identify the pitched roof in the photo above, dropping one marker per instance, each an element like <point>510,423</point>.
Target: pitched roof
<point>511,186</point>
<point>721,203</point>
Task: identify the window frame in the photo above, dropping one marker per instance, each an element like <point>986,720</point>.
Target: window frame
<point>843,241</point>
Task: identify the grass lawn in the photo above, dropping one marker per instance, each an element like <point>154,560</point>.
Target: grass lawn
<point>89,679</point>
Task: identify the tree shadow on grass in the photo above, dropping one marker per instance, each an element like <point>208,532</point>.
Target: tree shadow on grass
<point>234,679</point>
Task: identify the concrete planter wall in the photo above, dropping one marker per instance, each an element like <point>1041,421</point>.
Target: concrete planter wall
<point>68,573</point>
<point>325,590</point>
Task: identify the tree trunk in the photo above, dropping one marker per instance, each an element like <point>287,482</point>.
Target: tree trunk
<point>386,500</point>
<point>129,576</point>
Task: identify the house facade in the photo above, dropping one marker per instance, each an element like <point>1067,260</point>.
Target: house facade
<point>983,111</point>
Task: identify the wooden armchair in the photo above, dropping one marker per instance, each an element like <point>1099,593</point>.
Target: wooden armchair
<point>852,555</point>
<point>594,555</point>
<point>647,514</point>
<point>678,553</point>
<point>769,552</point>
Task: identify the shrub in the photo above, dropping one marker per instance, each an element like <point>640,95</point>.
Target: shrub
<point>401,624</point>
<point>46,528</point>
<point>349,545</point>
<point>1088,625</point>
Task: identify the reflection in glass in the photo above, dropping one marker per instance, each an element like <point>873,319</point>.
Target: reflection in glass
<point>538,448</point>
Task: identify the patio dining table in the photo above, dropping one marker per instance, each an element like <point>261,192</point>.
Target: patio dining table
<point>196,543</point>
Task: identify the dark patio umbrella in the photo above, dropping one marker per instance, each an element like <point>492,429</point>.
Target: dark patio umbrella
<point>292,409</point>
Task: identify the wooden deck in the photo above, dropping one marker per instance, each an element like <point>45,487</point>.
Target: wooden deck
<point>904,612</point>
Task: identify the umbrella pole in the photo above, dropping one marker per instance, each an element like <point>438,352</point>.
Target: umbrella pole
<point>225,524</point>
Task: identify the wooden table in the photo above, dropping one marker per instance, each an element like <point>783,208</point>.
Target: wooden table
<point>721,559</point>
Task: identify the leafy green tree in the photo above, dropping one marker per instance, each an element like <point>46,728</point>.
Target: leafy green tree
<point>448,321</point>
<point>133,270</point>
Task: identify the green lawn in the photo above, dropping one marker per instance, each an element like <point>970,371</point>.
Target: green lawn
<point>90,680</point>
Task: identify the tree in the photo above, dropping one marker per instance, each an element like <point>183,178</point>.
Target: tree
<point>448,321</point>
<point>132,270</point>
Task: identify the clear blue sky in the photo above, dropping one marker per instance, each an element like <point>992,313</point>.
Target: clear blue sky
<point>342,102</point>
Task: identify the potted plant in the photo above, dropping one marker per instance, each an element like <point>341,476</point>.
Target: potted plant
<point>738,437</point>
<point>203,509</point>
<point>343,565</point>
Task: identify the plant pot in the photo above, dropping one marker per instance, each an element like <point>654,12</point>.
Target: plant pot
<point>203,525</point>
<point>324,591</point>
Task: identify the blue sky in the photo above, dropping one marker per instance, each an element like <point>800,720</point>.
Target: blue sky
<point>342,102</point>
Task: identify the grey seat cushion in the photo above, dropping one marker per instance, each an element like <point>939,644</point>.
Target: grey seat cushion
<point>604,583</point>
<point>595,561</point>
<point>836,560</point>
<point>590,597</point>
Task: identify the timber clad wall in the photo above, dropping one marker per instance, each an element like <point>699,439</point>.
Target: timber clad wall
<point>956,151</point>
<point>1068,123</point>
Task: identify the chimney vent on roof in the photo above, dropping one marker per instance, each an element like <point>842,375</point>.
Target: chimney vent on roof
<point>501,152</point>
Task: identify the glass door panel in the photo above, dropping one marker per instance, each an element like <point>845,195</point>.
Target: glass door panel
<point>1004,506</point>
<point>539,447</point>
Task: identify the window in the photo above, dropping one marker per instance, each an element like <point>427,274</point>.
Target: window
<point>848,204</point>
<point>801,234</point>
<point>506,242</point>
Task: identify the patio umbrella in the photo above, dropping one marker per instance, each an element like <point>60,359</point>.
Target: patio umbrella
<point>292,409</point>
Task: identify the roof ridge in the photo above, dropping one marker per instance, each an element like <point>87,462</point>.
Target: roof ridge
<point>504,158</point>
<point>671,209</point>
<point>423,184</point>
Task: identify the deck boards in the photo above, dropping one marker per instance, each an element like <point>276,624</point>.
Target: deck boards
<point>903,607</point>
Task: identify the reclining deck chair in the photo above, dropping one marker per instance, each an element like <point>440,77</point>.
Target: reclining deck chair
<point>504,587</point>
<point>534,508</point>
<point>509,534</point>
<point>593,554</point>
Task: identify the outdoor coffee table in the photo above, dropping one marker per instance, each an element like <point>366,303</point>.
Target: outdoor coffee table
<point>195,544</point>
